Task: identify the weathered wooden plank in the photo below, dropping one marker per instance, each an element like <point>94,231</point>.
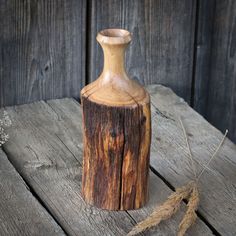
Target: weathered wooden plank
<point>205,22</point>
<point>21,213</point>
<point>42,48</point>
<point>162,45</point>
<point>46,147</point>
<point>221,104</point>
<point>169,157</point>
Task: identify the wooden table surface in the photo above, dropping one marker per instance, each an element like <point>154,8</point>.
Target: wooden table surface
<point>40,172</point>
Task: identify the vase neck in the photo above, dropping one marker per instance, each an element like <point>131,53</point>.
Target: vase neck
<point>114,43</point>
<point>114,59</point>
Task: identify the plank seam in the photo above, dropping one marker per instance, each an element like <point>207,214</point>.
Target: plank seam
<point>195,49</point>
<point>200,216</point>
<point>210,59</point>
<point>87,42</point>
<point>134,222</point>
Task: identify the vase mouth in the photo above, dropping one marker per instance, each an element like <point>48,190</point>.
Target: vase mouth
<point>114,36</point>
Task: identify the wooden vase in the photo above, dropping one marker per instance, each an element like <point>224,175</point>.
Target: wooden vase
<point>116,132</point>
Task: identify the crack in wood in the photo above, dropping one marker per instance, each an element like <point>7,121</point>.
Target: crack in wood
<point>121,167</point>
<point>134,222</point>
<point>160,113</point>
<point>68,149</point>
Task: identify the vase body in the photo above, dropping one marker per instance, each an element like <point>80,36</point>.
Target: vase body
<point>116,132</point>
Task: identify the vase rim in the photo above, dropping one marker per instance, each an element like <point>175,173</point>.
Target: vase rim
<point>114,36</point>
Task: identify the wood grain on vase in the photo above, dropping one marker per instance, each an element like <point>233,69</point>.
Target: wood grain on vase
<point>117,132</point>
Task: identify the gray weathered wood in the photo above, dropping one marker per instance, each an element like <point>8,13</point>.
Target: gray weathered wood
<point>42,48</point>
<point>21,213</point>
<point>163,36</point>
<point>221,104</point>
<point>46,148</point>
<point>169,156</point>
<point>205,22</point>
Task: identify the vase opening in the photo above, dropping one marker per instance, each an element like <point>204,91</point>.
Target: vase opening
<point>114,36</point>
<point>114,32</point>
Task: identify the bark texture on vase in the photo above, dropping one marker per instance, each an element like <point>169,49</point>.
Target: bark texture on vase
<point>116,131</point>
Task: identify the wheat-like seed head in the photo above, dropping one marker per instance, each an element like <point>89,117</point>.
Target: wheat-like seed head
<point>190,215</point>
<point>165,210</point>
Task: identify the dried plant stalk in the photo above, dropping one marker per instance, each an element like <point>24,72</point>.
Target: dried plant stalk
<point>165,210</point>
<point>172,204</point>
<point>190,215</point>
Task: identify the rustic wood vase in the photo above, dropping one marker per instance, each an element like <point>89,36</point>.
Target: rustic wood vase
<point>116,132</point>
